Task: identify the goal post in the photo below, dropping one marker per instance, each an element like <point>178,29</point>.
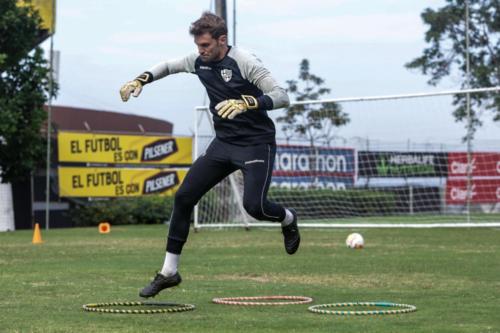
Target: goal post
<point>383,169</point>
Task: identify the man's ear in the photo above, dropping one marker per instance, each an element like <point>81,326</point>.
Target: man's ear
<point>222,40</point>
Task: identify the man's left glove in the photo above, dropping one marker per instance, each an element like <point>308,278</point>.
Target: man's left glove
<point>134,87</point>
<point>230,108</point>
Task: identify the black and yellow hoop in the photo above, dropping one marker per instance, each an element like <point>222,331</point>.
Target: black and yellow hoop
<point>400,308</point>
<point>156,307</point>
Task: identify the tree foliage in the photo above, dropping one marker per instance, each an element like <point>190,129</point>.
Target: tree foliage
<point>24,87</point>
<point>445,54</point>
<point>315,122</point>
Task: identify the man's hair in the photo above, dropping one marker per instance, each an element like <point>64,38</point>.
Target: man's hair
<point>211,23</point>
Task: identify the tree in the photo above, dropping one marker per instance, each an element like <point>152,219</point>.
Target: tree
<point>315,122</point>
<point>445,54</point>
<point>24,88</point>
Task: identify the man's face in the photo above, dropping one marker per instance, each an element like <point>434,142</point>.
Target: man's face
<point>211,49</point>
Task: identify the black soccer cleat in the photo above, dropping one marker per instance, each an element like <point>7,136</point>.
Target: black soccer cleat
<point>159,283</point>
<point>291,235</point>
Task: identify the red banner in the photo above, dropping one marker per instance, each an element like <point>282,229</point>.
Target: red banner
<point>483,164</point>
<point>482,191</point>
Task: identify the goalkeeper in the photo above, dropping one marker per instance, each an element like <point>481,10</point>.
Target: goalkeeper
<point>241,91</point>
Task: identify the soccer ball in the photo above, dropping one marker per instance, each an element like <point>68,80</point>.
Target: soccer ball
<point>355,241</point>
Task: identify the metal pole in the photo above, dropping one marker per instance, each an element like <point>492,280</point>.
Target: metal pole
<point>49,130</point>
<point>234,22</point>
<point>220,9</point>
<point>195,153</point>
<point>469,115</point>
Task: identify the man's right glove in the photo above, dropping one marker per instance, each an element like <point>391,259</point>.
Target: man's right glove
<point>230,108</point>
<point>135,87</point>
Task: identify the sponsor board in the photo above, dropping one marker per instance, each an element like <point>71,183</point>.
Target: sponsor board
<point>401,164</point>
<point>123,149</point>
<point>118,182</point>
<point>312,159</point>
<point>482,164</point>
<point>482,191</point>
<point>313,167</point>
<point>311,182</point>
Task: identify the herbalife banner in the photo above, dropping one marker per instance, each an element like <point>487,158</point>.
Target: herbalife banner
<point>118,182</point>
<point>402,164</point>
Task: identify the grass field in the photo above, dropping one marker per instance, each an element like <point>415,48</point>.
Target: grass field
<point>451,275</point>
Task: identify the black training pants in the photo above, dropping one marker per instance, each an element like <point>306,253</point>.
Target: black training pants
<point>220,160</point>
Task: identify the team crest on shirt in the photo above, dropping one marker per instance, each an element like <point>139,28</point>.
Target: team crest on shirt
<point>226,74</point>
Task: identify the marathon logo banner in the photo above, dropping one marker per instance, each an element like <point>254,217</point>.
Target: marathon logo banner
<point>311,182</point>
<point>309,167</point>
<point>124,149</point>
<point>118,182</point>
<point>306,160</point>
<point>482,164</point>
<point>402,164</point>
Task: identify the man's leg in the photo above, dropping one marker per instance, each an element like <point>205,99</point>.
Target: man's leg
<point>257,166</point>
<point>205,173</point>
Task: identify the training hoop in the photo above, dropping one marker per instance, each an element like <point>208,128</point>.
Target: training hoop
<point>161,307</point>
<point>402,308</point>
<point>254,300</point>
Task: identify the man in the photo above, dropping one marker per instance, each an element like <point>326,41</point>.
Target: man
<point>241,91</point>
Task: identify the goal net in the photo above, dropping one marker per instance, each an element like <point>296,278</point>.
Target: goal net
<point>400,161</point>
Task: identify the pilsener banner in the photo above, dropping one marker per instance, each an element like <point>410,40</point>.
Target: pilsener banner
<point>124,149</point>
<point>118,182</point>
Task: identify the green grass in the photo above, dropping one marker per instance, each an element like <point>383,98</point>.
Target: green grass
<point>451,275</point>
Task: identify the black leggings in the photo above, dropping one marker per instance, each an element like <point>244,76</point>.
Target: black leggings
<point>220,160</point>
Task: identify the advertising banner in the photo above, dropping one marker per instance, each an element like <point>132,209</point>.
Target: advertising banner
<point>46,10</point>
<point>483,164</point>
<point>313,167</point>
<point>482,191</point>
<point>310,182</point>
<point>118,182</point>
<point>126,149</point>
<point>402,164</point>
<point>305,159</point>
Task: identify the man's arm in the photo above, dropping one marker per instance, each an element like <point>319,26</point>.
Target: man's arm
<point>157,72</point>
<point>274,96</point>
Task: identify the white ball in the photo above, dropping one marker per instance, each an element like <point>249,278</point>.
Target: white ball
<point>355,241</point>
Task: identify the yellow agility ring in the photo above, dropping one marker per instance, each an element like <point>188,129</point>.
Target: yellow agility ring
<point>255,300</point>
<point>159,307</point>
<point>400,308</point>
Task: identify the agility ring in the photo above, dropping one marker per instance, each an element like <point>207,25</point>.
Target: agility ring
<point>160,307</point>
<point>401,308</point>
<point>255,300</point>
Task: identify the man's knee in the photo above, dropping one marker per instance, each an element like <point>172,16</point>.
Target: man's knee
<point>184,199</point>
<point>254,208</point>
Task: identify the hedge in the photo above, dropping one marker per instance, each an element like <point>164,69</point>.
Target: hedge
<point>151,209</point>
<point>312,203</point>
<point>320,203</point>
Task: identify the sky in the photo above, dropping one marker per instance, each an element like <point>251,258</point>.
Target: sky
<point>358,47</point>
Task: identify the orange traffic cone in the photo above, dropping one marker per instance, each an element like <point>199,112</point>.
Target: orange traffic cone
<point>37,235</point>
<point>104,228</point>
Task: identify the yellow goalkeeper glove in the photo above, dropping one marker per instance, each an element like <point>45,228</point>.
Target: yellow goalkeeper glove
<point>230,108</point>
<point>134,87</point>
